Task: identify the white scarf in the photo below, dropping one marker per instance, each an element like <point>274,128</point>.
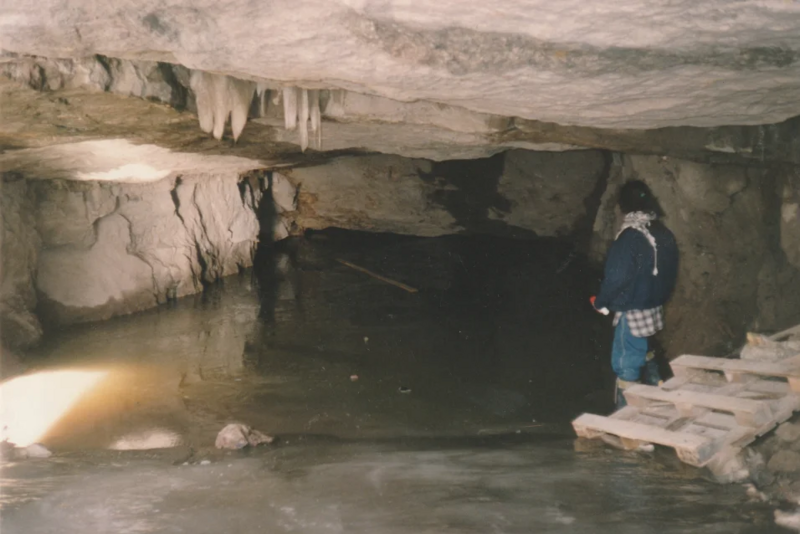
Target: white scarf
<point>640,221</point>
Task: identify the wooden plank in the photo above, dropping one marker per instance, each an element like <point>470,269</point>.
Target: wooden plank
<point>769,387</point>
<point>785,407</point>
<point>717,435</point>
<point>654,420</point>
<point>750,413</point>
<point>692,449</point>
<point>718,420</point>
<point>789,369</point>
<point>625,413</point>
<point>785,333</point>
<point>675,382</point>
<point>377,276</point>
<point>663,411</point>
<point>784,369</point>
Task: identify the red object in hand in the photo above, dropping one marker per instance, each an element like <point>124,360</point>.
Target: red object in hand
<point>592,299</point>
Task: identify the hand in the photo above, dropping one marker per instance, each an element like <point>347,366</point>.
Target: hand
<point>604,311</point>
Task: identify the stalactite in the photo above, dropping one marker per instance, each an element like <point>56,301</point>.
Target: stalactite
<point>316,118</point>
<point>302,117</point>
<point>219,97</point>
<point>220,103</point>
<point>301,106</point>
<point>241,95</point>
<point>335,107</point>
<point>289,108</point>
<point>205,110</point>
<point>262,93</point>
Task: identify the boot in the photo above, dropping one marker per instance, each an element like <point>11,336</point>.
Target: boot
<point>651,375</point>
<point>620,387</point>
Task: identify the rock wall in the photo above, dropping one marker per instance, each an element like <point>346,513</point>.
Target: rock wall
<point>518,192</point>
<point>733,273</point>
<point>91,250</point>
<point>790,215</point>
<point>19,326</point>
<point>80,251</point>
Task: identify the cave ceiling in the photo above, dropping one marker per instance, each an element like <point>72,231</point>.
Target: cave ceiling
<point>708,81</point>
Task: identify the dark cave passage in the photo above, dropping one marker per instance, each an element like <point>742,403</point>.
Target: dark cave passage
<point>498,327</point>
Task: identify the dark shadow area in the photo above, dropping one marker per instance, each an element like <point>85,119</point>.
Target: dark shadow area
<point>473,192</point>
<point>264,262</point>
<point>504,324</point>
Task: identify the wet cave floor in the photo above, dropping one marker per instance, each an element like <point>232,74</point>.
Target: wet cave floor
<point>441,410</point>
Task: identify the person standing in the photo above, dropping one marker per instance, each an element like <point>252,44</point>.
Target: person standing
<point>640,274</point>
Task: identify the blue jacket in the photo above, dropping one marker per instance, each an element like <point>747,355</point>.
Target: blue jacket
<point>629,283</point>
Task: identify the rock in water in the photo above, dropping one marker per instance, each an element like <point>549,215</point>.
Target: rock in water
<point>790,520</point>
<point>35,450</point>
<point>239,436</point>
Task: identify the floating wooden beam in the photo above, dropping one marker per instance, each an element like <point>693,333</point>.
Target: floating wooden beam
<point>377,276</point>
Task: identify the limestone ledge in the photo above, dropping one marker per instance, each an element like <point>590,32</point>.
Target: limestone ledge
<point>98,249</point>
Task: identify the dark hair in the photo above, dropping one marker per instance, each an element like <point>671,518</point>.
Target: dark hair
<point>636,196</point>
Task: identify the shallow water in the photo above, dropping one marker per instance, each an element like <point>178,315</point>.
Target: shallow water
<point>445,410</point>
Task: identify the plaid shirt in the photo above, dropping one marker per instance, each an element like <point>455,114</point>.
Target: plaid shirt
<point>643,323</point>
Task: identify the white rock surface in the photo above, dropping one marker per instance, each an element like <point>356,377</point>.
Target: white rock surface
<point>117,248</point>
<point>239,436</point>
<point>608,63</point>
<point>409,139</point>
<point>76,277</point>
<point>116,160</point>
<point>284,193</point>
<point>94,249</point>
<point>790,520</point>
<point>152,438</point>
<point>34,450</point>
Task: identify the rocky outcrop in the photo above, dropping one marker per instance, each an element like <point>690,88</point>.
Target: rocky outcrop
<point>515,193</point>
<point>91,250</point>
<point>161,82</point>
<point>733,273</point>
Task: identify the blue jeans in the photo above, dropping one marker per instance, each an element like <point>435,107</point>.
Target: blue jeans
<point>628,353</point>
